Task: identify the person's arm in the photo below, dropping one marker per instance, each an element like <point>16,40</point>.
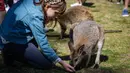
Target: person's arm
<point>39,33</point>
<point>67,66</point>
<point>36,25</point>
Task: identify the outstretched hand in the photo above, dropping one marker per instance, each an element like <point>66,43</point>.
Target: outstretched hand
<point>67,66</point>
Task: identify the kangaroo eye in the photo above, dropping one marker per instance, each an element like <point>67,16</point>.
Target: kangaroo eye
<point>76,59</point>
<point>83,53</point>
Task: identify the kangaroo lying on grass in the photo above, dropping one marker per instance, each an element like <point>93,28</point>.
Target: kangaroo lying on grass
<point>73,15</point>
<point>86,39</point>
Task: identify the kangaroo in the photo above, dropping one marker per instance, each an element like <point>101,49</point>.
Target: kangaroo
<point>73,15</point>
<point>86,39</point>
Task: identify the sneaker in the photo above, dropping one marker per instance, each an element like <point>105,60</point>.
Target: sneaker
<point>75,4</point>
<point>118,3</point>
<point>125,13</point>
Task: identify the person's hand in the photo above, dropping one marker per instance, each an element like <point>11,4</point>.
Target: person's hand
<point>67,66</point>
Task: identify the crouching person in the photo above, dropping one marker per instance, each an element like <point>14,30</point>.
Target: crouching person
<point>22,31</point>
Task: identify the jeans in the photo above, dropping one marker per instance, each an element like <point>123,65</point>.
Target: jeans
<point>26,53</point>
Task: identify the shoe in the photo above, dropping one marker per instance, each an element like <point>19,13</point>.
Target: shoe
<point>75,4</point>
<point>125,13</point>
<point>118,3</point>
<point>7,8</point>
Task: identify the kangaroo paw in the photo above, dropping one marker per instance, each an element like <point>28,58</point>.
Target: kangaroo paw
<point>95,66</point>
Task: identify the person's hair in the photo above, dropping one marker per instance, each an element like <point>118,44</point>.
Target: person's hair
<point>59,5</point>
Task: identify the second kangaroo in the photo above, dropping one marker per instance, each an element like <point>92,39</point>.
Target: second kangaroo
<point>86,39</point>
<point>73,15</point>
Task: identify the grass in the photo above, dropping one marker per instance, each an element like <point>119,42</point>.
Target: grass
<point>116,46</point>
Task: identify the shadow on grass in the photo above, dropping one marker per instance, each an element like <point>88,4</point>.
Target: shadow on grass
<point>89,4</point>
<point>103,58</point>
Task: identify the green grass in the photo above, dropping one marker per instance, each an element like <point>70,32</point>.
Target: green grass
<point>116,46</point>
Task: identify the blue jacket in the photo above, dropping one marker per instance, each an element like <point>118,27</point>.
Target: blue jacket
<point>23,22</point>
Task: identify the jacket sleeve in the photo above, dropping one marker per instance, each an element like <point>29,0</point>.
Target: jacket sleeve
<point>39,33</point>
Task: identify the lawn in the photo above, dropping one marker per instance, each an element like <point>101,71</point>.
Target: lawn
<point>116,46</point>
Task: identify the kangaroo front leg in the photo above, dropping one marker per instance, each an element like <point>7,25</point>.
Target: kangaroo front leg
<point>97,60</point>
<point>70,44</point>
<point>63,29</point>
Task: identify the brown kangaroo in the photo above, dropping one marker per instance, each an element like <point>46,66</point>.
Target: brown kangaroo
<point>86,39</point>
<point>73,15</point>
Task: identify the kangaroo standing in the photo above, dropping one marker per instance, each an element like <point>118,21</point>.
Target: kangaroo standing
<point>73,15</point>
<point>86,39</point>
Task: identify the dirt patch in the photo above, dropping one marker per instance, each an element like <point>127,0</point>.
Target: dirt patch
<point>94,71</point>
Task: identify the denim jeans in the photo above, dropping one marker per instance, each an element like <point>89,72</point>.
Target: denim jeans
<point>26,53</point>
